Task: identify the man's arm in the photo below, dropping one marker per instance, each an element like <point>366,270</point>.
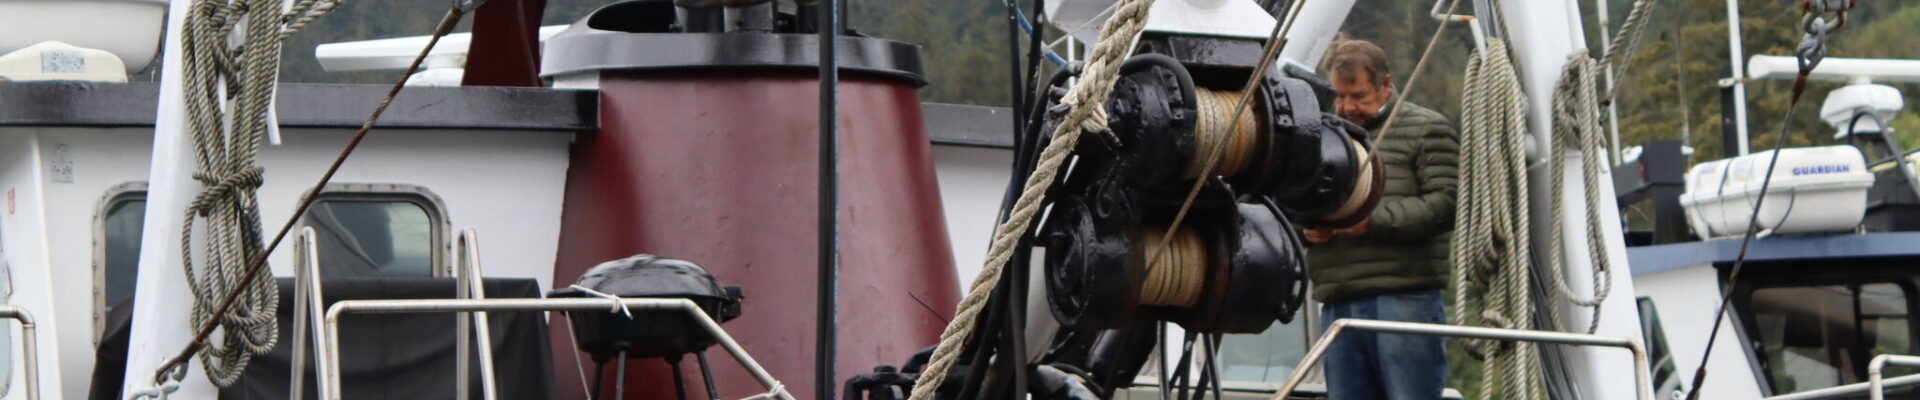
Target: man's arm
<point>1436,168</point>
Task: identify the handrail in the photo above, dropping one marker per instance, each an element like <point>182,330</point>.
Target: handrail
<point>307,304</point>
<point>1875,385</point>
<point>466,264</point>
<point>332,329</point>
<point>30,348</point>
<point>1874,380</point>
<point>1641,381</point>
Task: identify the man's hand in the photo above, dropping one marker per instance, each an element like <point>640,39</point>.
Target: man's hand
<point>1316,236</point>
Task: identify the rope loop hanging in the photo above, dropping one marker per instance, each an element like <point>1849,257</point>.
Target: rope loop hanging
<point>229,91</point>
<point>1491,247</point>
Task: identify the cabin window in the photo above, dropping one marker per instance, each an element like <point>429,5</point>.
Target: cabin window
<point>122,216</point>
<point>1267,357</point>
<point>364,230</point>
<point>1666,379</point>
<point>363,234</point>
<point>1817,336</point>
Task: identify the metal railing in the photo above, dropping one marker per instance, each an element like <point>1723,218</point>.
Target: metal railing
<point>29,348</point>
<point>1642,388</point>
<point>332,325</point>
<point>468,281</point>
<point>309,304</point>
<point>307,309</point>
<point>1875,385</point>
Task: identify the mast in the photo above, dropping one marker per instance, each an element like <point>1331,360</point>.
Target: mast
<point>159,329</point>
<point>1739,77</point>
<point>1541,36</point>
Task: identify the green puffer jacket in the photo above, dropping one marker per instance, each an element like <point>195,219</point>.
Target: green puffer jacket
<point>1405,247</point>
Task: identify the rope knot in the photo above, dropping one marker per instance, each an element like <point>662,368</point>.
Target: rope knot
<point>226,186</point>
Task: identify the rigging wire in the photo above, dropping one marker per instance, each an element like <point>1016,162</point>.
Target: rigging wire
<point>173,367</point>
<point>1811,50</point>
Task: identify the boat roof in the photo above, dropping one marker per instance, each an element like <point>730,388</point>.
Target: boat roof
<point>1721,252</point>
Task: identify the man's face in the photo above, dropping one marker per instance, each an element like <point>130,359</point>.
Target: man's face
<point>1360,99</point>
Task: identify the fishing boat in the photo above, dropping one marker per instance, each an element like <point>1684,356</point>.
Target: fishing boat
<point>728,199</point>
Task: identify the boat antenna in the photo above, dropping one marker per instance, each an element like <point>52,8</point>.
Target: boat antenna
<point>169,370</point>
<point>1812,49</point>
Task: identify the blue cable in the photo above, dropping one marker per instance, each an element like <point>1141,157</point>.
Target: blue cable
<point>1028,26</point>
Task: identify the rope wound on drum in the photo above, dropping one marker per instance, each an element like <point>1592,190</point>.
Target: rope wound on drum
<point>1085,114</point>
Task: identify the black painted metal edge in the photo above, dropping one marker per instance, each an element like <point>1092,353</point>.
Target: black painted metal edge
<point>967,125</point>
<point>95,104</point>
<point>583,49</point>
<point>304,105</point>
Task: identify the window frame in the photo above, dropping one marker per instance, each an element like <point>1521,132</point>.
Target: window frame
<point>437,220</point>
<point>1798,274</point>
<point>118,194</point>
<point>420,196</point>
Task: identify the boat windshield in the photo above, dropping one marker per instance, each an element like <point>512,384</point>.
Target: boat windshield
<point>1812,336</point>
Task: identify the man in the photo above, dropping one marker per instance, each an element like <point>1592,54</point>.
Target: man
<point>1391,265</point>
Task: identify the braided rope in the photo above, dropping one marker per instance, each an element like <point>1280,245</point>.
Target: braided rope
<point>1491,246</point>
<point>1576,125</point>
<point>1087,98</point>
<point>239,79</point>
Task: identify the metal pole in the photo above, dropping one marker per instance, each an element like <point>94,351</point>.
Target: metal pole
<point>1613,109</point>
<point>462,328</point>
<point>469,245</point>
<point>1642,389</point>
<point>620,373</point>
<point>29,348</point>
<point>306,304</point>
<point>331,328</point>
<point>706,375</point>
<point>829,199</point>
<point>1739,76</point>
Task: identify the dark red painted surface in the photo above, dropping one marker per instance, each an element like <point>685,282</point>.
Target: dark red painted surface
<point>719,167</point>
<point>505,50</point>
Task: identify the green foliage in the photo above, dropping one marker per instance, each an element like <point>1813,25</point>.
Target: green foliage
<point>1671,90</point>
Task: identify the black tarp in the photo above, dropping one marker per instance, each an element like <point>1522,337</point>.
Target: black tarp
<point>385,356</point>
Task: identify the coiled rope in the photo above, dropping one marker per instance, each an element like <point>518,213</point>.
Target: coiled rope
<point>1491,246</point>
<point>1178,271</point>
<point>240,78</point>
<point>1087,100</point>
<point>1219,122</point>
<point>1576,125</point>
<point>301,13</point>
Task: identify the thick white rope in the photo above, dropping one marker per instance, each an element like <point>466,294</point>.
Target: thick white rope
<point>229,94</point>
<point>1088,99</point>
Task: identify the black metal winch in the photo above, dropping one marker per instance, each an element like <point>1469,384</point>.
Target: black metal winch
<point>1284,161</point>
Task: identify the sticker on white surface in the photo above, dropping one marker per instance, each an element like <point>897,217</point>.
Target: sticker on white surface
<point>60,164</point>
<point>62,61</point>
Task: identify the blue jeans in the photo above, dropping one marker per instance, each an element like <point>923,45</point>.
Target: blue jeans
<point>1367,365</point>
